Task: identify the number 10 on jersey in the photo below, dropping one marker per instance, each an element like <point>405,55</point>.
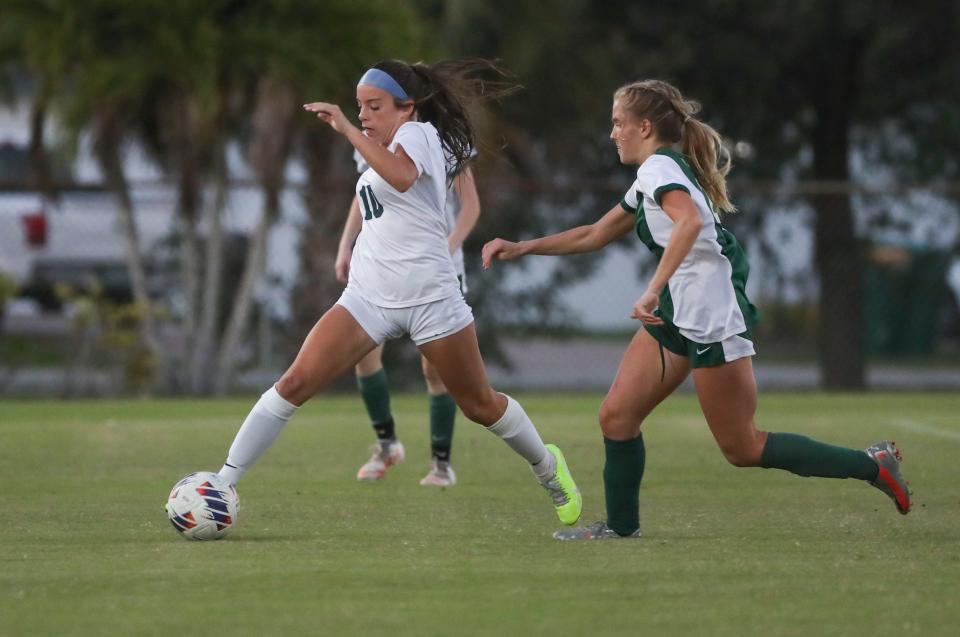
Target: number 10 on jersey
<point>372,208</point>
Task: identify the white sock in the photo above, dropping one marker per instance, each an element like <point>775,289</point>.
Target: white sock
<point>516,429</point>
<point>262,426</point>
<point>545,469</point>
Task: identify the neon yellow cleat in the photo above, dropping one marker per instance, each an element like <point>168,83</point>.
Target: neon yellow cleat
<point>563,490</point>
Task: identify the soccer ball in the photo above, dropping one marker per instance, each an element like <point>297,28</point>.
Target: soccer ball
<point>203,506</point>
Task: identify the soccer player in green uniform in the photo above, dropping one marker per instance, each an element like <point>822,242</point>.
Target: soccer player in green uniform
<point>695,312</point>
<point>462,211</point>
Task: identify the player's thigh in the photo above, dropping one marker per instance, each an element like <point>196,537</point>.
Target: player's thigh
<point>728,398</point>
<point>457,360</point>
<point>332,347</point>
<point>643,381</point>
<point>371,363</point>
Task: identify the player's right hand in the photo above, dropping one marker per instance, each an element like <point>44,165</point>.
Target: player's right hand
<point>500,249</point>
<point>331,114</point>
<point>644,307</point>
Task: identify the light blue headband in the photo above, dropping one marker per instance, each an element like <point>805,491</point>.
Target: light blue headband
<point>382,80</point>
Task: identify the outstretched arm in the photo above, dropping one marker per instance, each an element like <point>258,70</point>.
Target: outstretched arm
<point>351,230</point>
<point>466,189</point>
<point>608,228</point>
<point>396,168</point>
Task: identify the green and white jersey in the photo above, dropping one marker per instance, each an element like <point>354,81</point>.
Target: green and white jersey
<point>453,211</point>
<point>705,298</point>
<point>401,258</point>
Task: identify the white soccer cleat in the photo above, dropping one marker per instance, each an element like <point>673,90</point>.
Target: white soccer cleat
<point>440,475</point>
<point>596,531</point>
<point>384,456</point>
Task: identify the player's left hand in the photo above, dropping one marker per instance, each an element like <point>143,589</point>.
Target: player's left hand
<point>644,307</point>
<point>330,114</point>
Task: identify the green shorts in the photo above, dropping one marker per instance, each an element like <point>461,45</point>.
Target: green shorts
<point>702,354</point>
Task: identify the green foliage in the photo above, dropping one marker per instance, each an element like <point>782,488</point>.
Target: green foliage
<point>128,58</point>
<point>181,77</point>
<point>184,79</point>
<point>17,351</point>
<point>783,324</point>
<point>29,351</point>
<point>8,289</point>
<point>111,331</point>
<point>807,85</point>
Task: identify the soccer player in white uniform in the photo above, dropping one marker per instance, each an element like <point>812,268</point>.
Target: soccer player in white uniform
<point>462,211</point>
<point>402,279</point>
<point>695,312</point>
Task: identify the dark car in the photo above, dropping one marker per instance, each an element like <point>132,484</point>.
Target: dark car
<point>81,276</point>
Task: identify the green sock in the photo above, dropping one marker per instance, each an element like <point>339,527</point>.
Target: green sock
<point>443,411</point>
<point>807,457</point>
<point>621,482</point>
<point>376,396</point>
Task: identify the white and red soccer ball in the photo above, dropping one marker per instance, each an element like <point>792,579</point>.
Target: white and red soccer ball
<point>203,506</point>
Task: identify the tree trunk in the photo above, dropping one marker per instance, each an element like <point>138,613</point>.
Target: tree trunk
<point>839,255</point>
<point>107,147</point>
<point>240,313</point>
<point>188,209</point>
<point>189,265</point>
<point>273,124</point>
<point>332,175</point>
<point>41,177</point>
<point>201,366</point>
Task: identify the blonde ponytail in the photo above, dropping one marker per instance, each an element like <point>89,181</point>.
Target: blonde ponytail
<point>672,117</point>
<point>710,161</point>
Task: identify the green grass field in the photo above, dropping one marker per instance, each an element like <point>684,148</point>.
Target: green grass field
<point>86,549</point>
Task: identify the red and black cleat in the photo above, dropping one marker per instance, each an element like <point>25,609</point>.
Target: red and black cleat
<point>889,479</point>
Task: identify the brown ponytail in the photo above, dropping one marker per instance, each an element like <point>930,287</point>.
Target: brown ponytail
<point>673,121</point>
<point>441,93</point>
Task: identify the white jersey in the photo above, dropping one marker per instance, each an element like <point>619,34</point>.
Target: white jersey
<point>402,258</point>
<point>704,298</point>
<point>451,210</point>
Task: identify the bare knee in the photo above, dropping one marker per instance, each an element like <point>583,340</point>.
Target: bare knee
<point>295,386</point>
<point>745,453</point>
<point>483,407</point>
<point>738,457</point>
<point>616,423</point>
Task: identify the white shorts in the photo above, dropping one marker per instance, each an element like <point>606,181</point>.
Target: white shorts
<point>423,323</point>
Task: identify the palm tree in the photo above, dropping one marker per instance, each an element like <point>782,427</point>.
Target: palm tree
<point>302,50</point>
<point>274,121</point>
<point>35,43</point>
<point>186,132</point>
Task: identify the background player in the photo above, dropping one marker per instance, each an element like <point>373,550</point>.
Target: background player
<point>462,212</point>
